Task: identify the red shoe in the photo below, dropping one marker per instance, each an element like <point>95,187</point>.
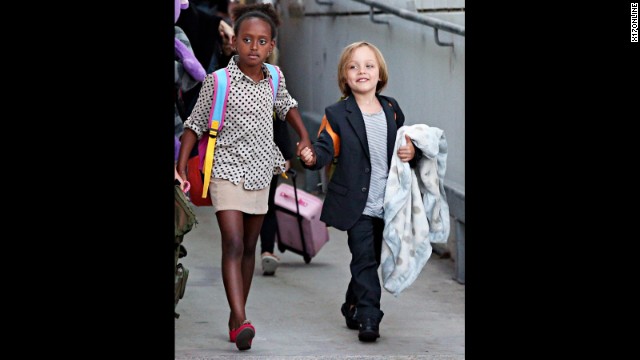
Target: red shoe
<point>243,335</point>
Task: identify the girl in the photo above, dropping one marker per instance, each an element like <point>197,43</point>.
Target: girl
<point>361,129</point>
<point>245,157</point>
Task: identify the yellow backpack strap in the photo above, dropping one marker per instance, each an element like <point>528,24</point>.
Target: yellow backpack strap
<point>216,122</point>
<point>324,125</point>
<point>208,159</point>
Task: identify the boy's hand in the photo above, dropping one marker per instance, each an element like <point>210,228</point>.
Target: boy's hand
<point>406,152</point>
<point>303,143</point>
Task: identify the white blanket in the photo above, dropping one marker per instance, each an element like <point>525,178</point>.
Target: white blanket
<point>416,212</point>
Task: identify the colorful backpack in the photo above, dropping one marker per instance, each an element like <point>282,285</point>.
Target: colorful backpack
<point>207,144</point>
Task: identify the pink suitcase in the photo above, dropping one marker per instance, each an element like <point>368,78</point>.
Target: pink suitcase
<point>299,227</point>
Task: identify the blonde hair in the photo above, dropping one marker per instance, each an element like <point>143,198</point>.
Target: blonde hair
<point>347,53</point>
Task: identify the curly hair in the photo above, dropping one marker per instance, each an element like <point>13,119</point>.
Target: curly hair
<point>265,12</point>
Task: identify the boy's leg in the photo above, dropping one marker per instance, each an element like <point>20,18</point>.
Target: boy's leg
<point>365,259</point>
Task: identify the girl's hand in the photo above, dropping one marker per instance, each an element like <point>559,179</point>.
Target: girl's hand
<point>406,152</point>
<point>184,185</point>
<point>287,165</point>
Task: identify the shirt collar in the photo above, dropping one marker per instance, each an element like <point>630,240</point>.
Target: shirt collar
<point>237,74</point>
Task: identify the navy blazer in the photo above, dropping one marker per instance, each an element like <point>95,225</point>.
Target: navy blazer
<point>349,185</point>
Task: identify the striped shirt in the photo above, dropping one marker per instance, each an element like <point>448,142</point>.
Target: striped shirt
<point>376,125</point>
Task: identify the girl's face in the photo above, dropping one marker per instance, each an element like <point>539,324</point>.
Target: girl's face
<point>253,41</point>
<point>363,71</point>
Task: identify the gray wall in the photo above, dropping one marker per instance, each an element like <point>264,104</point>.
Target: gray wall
<point>428,80</point>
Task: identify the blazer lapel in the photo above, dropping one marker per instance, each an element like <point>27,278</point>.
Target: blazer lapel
<point>354,116</point>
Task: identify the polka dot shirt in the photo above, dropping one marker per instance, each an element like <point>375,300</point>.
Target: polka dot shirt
<point>245,148</point>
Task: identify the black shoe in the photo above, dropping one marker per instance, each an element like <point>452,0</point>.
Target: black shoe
<point>350,316</point>
<point>369,330</point>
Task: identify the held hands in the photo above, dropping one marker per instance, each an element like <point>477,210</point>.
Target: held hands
<point>303,143</point>
<point>308,157</point>
<point>305,152</point>
<point>406,152</point>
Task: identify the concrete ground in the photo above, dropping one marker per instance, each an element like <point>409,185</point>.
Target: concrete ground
<point>296,313</point>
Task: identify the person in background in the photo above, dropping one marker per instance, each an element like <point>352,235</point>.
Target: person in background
<point>209,27</point>
<point>270,261</point>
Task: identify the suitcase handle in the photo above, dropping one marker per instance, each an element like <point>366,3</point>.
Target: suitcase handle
<point>300,201</point>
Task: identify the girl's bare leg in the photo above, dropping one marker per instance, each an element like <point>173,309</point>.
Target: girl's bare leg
<point>239,234</point>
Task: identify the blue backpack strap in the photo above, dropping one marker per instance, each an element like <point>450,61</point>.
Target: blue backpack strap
<point>275,79</point>
<point>207,144</point>
<point>221,93</point>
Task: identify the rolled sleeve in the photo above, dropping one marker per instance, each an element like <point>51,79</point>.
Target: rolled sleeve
<point>198,121</point>
<point>284,101</point>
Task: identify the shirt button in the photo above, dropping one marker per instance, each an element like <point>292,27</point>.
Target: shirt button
<point>364,189</point>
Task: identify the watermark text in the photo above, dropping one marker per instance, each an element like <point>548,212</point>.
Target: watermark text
<point>634,22</point>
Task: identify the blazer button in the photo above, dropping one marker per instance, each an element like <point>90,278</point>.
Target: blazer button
<point>364,189</point>
<point>367,170</point>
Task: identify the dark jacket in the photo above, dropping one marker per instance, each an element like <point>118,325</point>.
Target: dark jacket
<point>349,185</point>
<point>281,137</point>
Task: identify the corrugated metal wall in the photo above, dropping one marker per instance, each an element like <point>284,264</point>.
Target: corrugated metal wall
<point>428,80</point>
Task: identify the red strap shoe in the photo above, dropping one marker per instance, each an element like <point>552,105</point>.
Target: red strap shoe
<point>243,335</point>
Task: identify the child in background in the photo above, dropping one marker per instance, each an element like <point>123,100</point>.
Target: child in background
<point>360,131</point>
<point>270,261</point>
<point>246,156</point>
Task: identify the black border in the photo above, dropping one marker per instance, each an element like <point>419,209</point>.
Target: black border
<point>101,174</point>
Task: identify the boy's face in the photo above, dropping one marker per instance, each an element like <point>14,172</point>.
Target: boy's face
<point>363,71</point>
<point>253,41</point>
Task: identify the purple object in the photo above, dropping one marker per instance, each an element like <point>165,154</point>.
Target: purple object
<point>189,61</point>
<point>176,148</point>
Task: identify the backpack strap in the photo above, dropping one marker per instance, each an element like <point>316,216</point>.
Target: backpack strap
<point>207,145</point>
<point>275,79</point>
<point>325,125</point>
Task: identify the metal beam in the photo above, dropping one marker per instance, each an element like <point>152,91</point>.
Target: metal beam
<point>415,17</point>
